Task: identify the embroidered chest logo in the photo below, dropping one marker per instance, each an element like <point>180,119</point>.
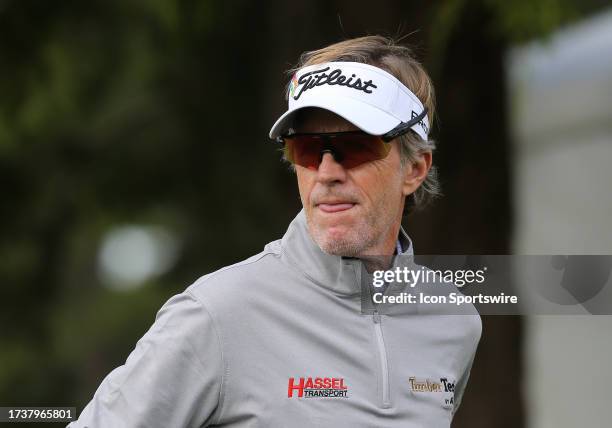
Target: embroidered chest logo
<point>323,387</point>
<point>319,77</point>
<point>426,385</point>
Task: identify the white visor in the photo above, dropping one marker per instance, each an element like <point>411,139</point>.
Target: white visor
<point>367,96</point>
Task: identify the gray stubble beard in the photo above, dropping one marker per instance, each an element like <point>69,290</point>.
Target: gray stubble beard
<point>354,246</point>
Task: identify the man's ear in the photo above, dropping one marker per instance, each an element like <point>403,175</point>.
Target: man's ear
<point>416,172</point>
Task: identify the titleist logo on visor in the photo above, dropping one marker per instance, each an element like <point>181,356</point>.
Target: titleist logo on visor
<point>335,77</point>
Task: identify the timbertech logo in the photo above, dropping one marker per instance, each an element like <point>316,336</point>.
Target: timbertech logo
<point>324,387</point>
<point>428,386</point>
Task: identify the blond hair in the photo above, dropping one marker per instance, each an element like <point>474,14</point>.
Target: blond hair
<point>399,61</point>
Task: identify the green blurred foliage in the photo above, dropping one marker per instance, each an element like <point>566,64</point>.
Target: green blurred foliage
<point>113,113</point>
<point>155,112</point>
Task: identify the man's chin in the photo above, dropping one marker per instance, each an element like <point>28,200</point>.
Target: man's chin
<point>339,241</point>
<point>338,234</point>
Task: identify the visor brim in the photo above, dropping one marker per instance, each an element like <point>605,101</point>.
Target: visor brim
<point>364,116</point>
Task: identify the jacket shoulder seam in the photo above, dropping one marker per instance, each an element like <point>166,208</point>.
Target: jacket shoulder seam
<point>238,265</point>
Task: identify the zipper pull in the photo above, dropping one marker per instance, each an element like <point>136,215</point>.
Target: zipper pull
<point>376,317</point>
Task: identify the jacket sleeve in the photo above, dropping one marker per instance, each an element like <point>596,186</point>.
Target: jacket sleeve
<point>173,378</point>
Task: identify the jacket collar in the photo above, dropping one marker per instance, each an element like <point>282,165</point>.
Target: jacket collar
<point>339,274</point>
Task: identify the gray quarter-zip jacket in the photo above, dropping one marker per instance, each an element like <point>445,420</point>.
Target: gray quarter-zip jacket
<point>279,340</point>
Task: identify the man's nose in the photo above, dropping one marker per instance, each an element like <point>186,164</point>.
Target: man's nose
<point>329,170</point>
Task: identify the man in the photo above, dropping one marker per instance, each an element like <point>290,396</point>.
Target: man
<point>280,339</point>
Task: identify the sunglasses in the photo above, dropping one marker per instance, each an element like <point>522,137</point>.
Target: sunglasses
<point>350,149</point>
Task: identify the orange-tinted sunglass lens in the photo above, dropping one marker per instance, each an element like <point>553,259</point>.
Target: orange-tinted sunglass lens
<point>350,149</point>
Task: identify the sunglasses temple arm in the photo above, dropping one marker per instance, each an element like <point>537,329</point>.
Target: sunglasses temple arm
<point>403,127</point>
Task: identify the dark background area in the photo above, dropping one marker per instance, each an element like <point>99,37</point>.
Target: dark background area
<point>157,112</point>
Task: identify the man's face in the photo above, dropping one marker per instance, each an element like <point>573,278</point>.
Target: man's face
<point>354,212</point>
